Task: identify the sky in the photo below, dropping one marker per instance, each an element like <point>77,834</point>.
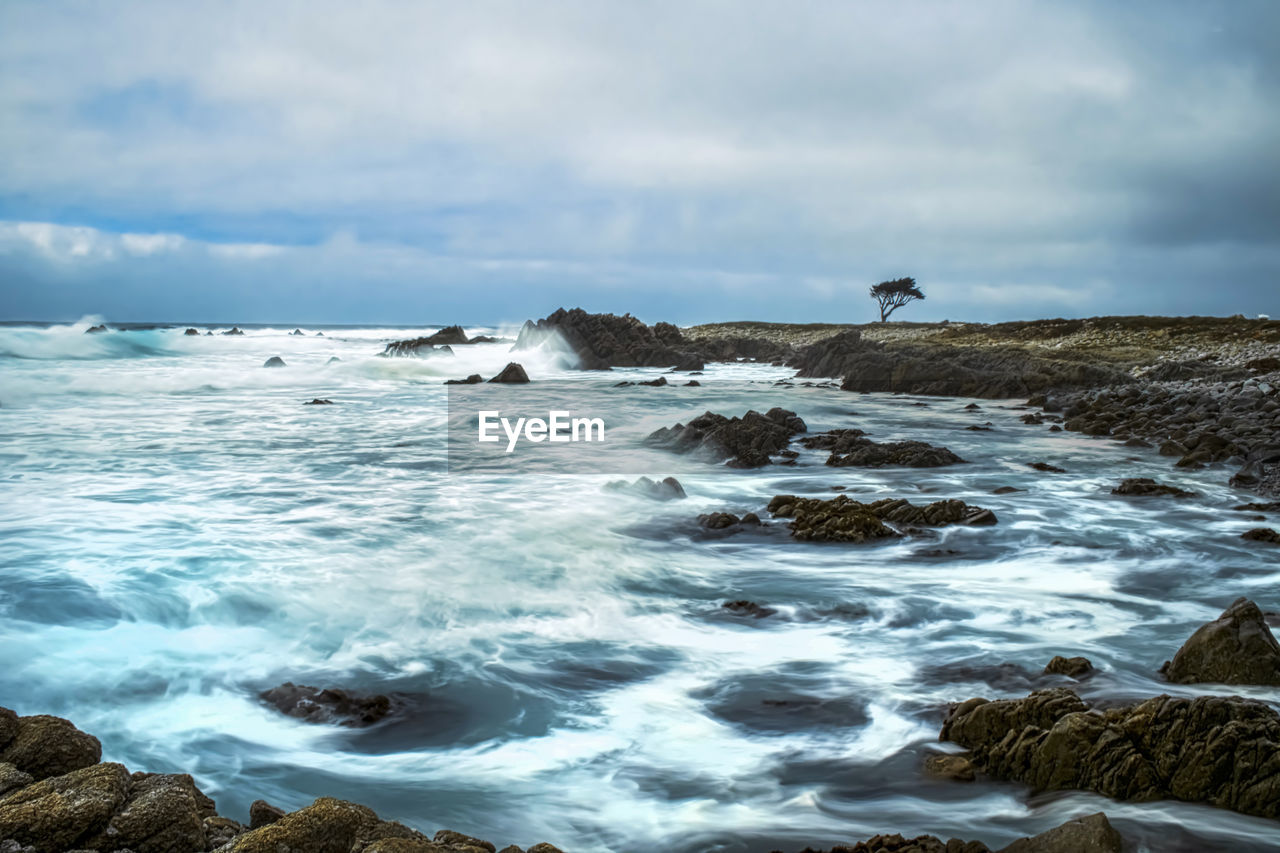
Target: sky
<point>483,162</point>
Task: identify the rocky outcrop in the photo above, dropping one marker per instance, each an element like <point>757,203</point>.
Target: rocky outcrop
<point>602,341</point>
<point>668,489</point>
<point>1262,534</point>
<point>851,448</point>
<point>1090,834</point>
<point>473,379</point>
<point>326,705</point>
<point>234,330</point>
<point>44,746</point>
<point>297,333</point>
<point>727,520</point>
<point>743,607</point>
<point>96,330</point>
<point>842,519</point>
<point>1147,487</point>
<point>438,343</point>
<point>512,374</point>
<point>746,442</point>
<point>191,332</point>
<point>274,361</point>
<point>56,814</point>
<point>1220,750</point>
<point>1235,648</point>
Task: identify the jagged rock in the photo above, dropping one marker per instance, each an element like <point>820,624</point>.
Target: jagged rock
<point>439,343</point>
<point>1076,667</point>
<point>743,607</point>
<point>316,705</point>
<point>747,442</point>
<point>842,519</point>
<point>1235,648</point>
<point>601,341</point>
<point>512,374</point>
<point>163,813</point>
<point>667,490</point>
<point>1220,750</point>
<point>851,448</point>
<point>274,361</point>
<point>262,813</point>
<point>297,333</point>
<point>55,814</point>
<point>96,330</point>
<point>319,334</point>
<point>449,336</point>
<point>656,383</point>
<point>319,401</point>
<point>1147,487</point>
<point>11,778</point>
<point>1269,506</point>
<point>473,379</point>
<point>957,768</point>
<point>1262,534</point>
<point>1046,468</point>
<point>234,330</point>
<point>45,746</point>
<point>1006,490</point>
<point>191,332</point>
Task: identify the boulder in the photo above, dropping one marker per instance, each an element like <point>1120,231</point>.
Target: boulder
<point>746,442</point>
<point>297,333</point>
<point>655,383</point>
<point>191,332</point>
<point>512,374</point>
<point>446,338</point>
<point>234,330</point>
<point>1091,834</point>
<point>96,330</point>
<point>668,489</point>
<point>743,607</point>
<point>274,361</point>
<point>1235,648</point>
<point>602,341</point>
<point>1147,487</point>
<point>54,815</point>
<point>1076,667</point>
<point>333,359</point>
<point>851,448</point>
<point>1262,534</point>
<point>458,841</point>
<point>262,813</point>
<point>163,813</point>
<point>45,746</point>
<point>842,519</point>
<point>1220,750</point>
<point>1046,468</point>
<point>11,778</point>
<point>473,379</point>
<point>957,768</point>
<point>329,705</point>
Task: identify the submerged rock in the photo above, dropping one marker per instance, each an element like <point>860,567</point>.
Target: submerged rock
<point>1235,648</point>
<point>747,442</point>
<point>473,379</point>
<point>328,705</point>
<point>1147,487</point>
<point>957,768</point>
<point>842,519</point>
<point>1224,751</point>
<point>297,333</point>
<point>512,374</point>
<point>667,489</point>
<point>234,330</point>
<point>1262,534</point>
<point>319,401</point>
<point>1046,468</point>
<point>851,448</point>
<point>743,607</point>
<point>439,343</point>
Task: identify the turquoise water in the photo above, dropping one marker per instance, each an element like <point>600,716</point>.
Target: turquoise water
<point>179,533</point>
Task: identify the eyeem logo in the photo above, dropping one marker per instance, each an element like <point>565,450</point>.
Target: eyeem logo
<point>560,426</point>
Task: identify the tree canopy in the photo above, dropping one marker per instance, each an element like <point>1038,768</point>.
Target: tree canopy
<point>892,295</point>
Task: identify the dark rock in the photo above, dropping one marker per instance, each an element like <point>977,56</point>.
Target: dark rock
<point>333,359</point>
<point>234,330</point>
<point>483,339</point>
<point>851,448</point>
<point>718,520</point>
<point>319,334</point>
<point>601,341</point>
<point>164,813</point>
<point>1091,834</point>
<point>1224,751</point>
<point>274,361</point>
<point>450,336</point>
<point>297,333</point>
<point>191,332</point>
<point>512,374</point>
<point>1269,506</point>
<point>1076,667</point>
<point>319,401</point>
<point>972,407</point>
<point>751,519</point>
<point>11,778</point>
<point>456,840</point>
<point>1145,487</point>
<point>842,519</point>
<point>45,746</point>
<point>1267,363</point>
<point>656,383</point>
<point>748,608</point>
<point>957,768</point>
<point>1262,534</point>
<point>666,490</point>
<point>1033,419</point>
<point>325,826</point>
<point>55,814</point>
<point>1006,490</point>
<point>1260,472</point>
<point>1235,648</point>
<point>473,379</point>
<point>316,705</point>
<point>747,442</point>
<point>262,813</point>
<point>693,383</point>
<point>1046,468</point>
<point>96,330</point>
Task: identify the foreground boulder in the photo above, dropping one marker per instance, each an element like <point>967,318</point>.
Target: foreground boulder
<point>327,705</point>
<point>1091,834</point>
<point>842,519</point>
<point>1236,648</point>
<point>1220,750</point>
<point>56,814</point>
<point>851,448</point>
<point>44,746</point>
<point>747,442</point>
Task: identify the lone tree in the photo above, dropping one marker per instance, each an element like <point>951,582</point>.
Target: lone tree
<point>892,295</point>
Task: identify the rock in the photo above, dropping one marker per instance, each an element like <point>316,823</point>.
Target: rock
<point>458,841</point>
<point>1006,490</point>
<point>693,383</point>
<point>666,490</point>
<point>55,814</point>
<point>1033,419</point>
<point>1091,834</point>
<point>262,813</point>
<point>972,407</point>
<point>746,442</point>
<point>1262,534</point>
<point>1046,468</point>
<point>656,383</point>
<point>473,379</point>
<point>332,359</point>
<point>11,778</point>
<point>1260,472</point>
<point>512,374</point>
<point>319,401</point>
<point>1224,751</point>
<point>164,813</point>
<point>1235,648</point>
<point>96,330</point>
<point>1076,667</point>
<point>602,341</point>
<point>446,338</point>
<point>297,333</point>
<point>221,830</point>
<point>274,361</point>
<point>45,746</point>
<point>718,520</point>
<point>1267,363</point>
<point>842,519</point>
<point>1269,506</point>
<point>957,768</point>
<point>234,330</point>
<point>1146,487</point>
<point>191,332</point>
<point>850,448</point>
<point>316,705</point>
<point>742,607</point>
<point>319,334</point>
<point>325,826</point>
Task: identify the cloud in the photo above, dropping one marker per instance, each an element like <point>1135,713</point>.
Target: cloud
<point>1035,149</point>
